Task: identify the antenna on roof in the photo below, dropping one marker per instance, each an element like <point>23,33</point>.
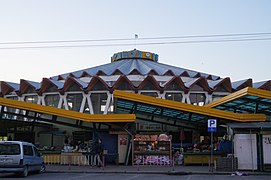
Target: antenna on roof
<point>136,37</point>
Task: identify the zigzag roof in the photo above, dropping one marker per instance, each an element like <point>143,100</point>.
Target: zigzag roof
<point>134,67</point>
<point>127,66</point>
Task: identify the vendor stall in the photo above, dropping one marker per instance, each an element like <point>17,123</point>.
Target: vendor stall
<point>152,150</point>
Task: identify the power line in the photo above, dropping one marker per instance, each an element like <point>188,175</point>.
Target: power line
<point>147,43</point>
<point>258,34</point>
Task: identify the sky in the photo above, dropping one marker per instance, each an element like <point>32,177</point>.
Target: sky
<point>68,20</point>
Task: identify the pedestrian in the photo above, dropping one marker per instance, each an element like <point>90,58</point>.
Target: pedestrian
<point>99,152</point>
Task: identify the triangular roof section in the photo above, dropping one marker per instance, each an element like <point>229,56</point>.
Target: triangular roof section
<point>201,81</point>
<point>238,85</point>
<point>176,80</point>
<point>184,74</point>
<point>169,73</point>
<point>265,85</point>
<point>57,78</point>
<point>223,83</point>
<point>48,83</point>
<point>101,73</point>
<point>153,72</point>
<point>198,75</point>
<point>136,79</point>
<point>211,77</point>
<point>123,80</point>
<point>70,81</point>
<point>110,80</point>
<point>8,87</point>
<point>63,76</point>
<point>85,74</point>
<point>25,85</point>
<point>95,82</point>
<point>162,80</point>
<point>149,79</point>
<point>134,72</point>
<point>15,86</point>
<point>117,72</point>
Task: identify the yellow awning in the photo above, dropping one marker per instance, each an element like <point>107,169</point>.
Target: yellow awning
<point>184,108</point>
<point>67,113</point>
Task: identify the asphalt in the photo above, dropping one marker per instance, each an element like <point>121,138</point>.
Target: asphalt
<point>146,169</point>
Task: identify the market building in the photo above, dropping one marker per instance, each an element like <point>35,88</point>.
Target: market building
<point>137,105</point>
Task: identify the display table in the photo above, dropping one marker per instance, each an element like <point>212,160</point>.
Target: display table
<point>203,158</point>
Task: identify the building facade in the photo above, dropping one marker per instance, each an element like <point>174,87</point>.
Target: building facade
<point>91,90</point>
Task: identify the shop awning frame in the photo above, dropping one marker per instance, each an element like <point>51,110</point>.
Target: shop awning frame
<point>247,100</point>
<point>135,103</point>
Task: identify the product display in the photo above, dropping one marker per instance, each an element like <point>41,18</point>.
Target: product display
<point>152,150</point>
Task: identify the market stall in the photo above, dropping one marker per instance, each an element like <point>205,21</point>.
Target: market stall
<point>152,150</point>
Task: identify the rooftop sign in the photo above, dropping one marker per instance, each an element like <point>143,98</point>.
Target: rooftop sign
<point>134,54</point>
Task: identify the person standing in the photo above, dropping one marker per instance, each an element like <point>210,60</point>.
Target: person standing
<point>99,152</point>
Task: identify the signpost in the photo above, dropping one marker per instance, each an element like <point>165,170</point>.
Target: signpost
<point>212,128</point>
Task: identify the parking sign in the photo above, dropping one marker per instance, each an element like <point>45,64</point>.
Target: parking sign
<point>211,125</point>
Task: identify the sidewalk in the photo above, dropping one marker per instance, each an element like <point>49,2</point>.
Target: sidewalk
<point>177,170</point>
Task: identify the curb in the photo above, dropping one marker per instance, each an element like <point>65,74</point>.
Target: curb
<point>172,173</point>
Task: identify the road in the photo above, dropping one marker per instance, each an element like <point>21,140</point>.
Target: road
<point>107,176</point>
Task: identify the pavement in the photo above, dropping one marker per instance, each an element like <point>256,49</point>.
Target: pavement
<point>146,169</point>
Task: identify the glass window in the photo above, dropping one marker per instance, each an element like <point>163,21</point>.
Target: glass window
<point>11,110</point>
<point>28,151</point>
<point>174,96</point>
<point>52,89</point>
<point>74,87</point>
<point>148,86</point>
<point>124,86</point>
<point>197,99</point>
<point>9,149</point>
<point>173,86</point>
<point>36,151</point>
<point>31,99</point>
<point>152,94</point>
<point>99,86</point>
<point>13,97</point>
<point>86,108</point>
<point>110,109</point>
<point>74,101</point>
<point>98,101</point>
<point>52,100</point>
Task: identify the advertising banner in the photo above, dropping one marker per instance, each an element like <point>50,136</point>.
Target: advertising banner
<point>267,149</point>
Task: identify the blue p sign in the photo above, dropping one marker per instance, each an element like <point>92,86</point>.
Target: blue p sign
<point>211,125</point>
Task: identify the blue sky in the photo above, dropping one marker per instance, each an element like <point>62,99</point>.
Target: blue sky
<point>47,20</point>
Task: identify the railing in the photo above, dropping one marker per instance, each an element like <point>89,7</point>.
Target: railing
<point>52,158</point>
<point>72,158</point>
